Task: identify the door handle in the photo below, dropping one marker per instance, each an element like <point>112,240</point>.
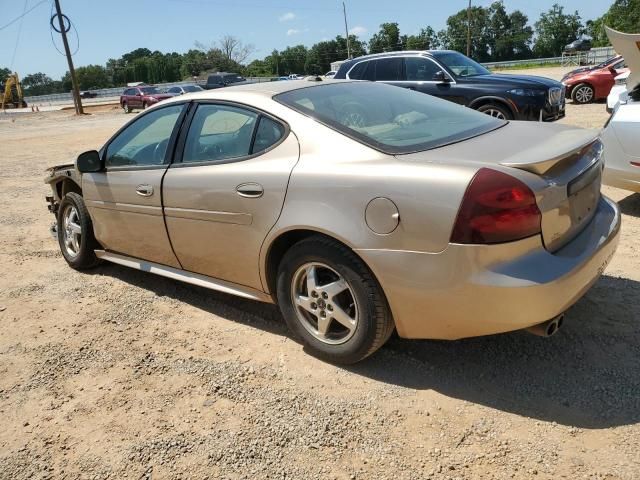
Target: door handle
<point>144,190</point>
<point>250,190</point>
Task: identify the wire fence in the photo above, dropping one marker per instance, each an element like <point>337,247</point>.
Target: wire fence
<point>104,94</point>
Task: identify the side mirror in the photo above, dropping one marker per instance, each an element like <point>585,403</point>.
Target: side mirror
<point>441,77</point>
<point>89,162</point>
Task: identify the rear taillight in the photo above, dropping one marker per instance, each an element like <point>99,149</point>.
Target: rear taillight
<point>496,208</point>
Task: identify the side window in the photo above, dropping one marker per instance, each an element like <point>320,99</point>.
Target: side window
<point>127,92</point>
<point>145,141</point>
<point>420,69</point>
<point>389,69</point>
<point>357,72</point>
<point>219,132</point>
<point>268,133</point>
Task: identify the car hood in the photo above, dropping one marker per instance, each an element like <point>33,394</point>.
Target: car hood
<point>160,96</point>
<point>518,80</point>
<point>627,45</point>
<point>580,70</point>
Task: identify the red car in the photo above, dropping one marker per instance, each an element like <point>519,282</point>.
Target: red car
<point>141,98</point>
<point>586,86</point>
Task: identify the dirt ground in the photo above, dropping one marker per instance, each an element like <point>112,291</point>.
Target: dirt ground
<point>116,373</point>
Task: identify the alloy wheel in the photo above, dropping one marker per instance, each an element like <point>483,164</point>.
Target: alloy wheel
<point>325,303</point>
<point>495,113</point>
<point>584,94</point>
<point>72,231</point>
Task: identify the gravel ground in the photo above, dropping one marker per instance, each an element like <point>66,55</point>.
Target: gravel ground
<point>118,374</point>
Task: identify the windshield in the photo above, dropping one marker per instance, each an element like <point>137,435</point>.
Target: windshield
<point>192,88</point>
<point>390,119</point>
<point>612,61</point>
<point>149,90</point>
<point>461,65</point>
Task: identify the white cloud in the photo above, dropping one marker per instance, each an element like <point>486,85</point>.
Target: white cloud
<point>292,31</point>
<point>287,17</point>
<point>358,30</point>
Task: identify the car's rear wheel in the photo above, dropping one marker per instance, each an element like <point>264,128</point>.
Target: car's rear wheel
<point>496,111</point>
<point>125,107</point>
<point>332,302</point>
<point>75,233</point>
<point>582,93</point>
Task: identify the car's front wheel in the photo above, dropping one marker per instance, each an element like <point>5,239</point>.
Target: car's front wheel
<point>75,233</point>
<point>332,302</point>
<point>582,93</point>
<point>496,111</point>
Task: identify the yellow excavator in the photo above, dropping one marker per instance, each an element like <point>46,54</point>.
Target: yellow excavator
<point>12,96</point>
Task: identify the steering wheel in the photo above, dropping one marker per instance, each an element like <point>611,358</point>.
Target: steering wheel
<point>353,115</point>
<point>160,150</point>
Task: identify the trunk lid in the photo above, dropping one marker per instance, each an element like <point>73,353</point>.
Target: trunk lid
<point>562,165</point>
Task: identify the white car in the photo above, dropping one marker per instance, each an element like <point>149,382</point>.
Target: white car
<point>330,74</point>
<point>618,91</point>
<point>621,135</point>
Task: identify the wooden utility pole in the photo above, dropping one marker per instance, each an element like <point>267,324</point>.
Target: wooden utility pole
<point>74,81</point>
<point>346,30</point>
<point>469,29</point>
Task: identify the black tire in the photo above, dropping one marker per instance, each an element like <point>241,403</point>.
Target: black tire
<point>85,256</point>
<point>374,321</point>
<point>125,107</point>
<point>144,105</point>
<point>582,94</point>
<point>496,110</point>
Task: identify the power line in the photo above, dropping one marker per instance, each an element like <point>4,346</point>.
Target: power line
<point>25,13</point>
<point>15,49</point>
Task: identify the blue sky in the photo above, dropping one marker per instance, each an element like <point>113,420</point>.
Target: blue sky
<point>110,29</point>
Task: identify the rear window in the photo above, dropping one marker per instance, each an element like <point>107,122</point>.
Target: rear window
<point>389,69</point>
<point>390,119</point>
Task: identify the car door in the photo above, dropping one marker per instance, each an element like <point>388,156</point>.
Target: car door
<point>124,199</point>
<point>226,190</point>
<point>419,75</point>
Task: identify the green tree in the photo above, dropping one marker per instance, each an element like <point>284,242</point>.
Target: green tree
<point>509,36</point>
<point>427,39</point>
<point>89,77</point>
<point>554,30</point>
<point>4,73</point>
<point>623,15</point>
<point>293,59</point>
<point>387,39</point>
<point>455,36</point>
<point>38,84</point>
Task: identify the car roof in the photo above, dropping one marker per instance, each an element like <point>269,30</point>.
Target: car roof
<point>401,53</point>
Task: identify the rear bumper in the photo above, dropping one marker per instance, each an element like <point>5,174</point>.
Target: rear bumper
<point>623,179</point>
<point>473,290</point>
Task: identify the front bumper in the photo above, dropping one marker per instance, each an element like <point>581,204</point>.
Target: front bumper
<point>473,290</point>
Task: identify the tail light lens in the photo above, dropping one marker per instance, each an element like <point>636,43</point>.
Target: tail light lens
<point>496,208</point>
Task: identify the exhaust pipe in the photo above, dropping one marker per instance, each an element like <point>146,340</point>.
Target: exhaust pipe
<point>548,328</point>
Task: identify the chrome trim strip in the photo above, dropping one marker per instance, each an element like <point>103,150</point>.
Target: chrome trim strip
<point>184,276</point>
<point>209,215</point>
<point>125,207</point>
